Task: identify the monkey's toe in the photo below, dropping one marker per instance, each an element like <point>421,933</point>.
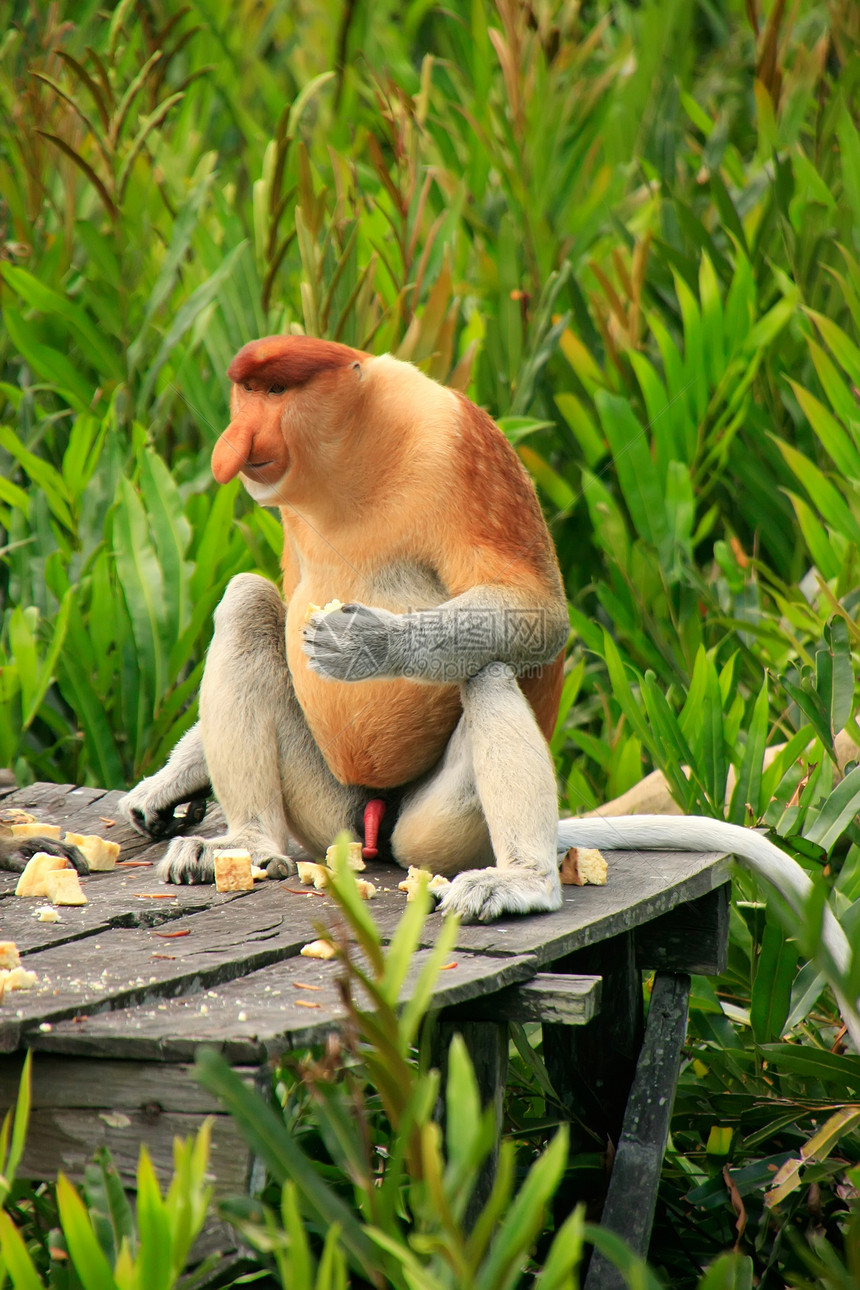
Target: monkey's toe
<point>482,895</point>
<point>279,867</point>
<point>188,860</point>
<point>28,847</point>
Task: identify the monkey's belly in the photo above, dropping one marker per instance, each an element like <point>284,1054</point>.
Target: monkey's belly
<point>378,733</point>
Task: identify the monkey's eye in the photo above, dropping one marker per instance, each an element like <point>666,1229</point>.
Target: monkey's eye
<point>277,389</point>
<point>246,385</point>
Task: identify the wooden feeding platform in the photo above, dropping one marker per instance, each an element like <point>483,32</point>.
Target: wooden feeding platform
<point>132,982</point>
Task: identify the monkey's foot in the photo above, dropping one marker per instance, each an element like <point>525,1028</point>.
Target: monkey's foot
<point>26,848</point>
<point>480,895</point>
<point>191,860</point>
<point>151,808</point>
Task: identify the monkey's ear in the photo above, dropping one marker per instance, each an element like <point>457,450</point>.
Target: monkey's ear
<point>358,369</point>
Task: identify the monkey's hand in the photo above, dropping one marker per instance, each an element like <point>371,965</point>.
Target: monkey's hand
<point>354,643</point>
<point>151,807</point>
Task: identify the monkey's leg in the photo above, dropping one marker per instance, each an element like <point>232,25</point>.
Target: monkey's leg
<point>151,806</point>
<point>441,824</point>
<point>494,795</point>
<point>267,772</point>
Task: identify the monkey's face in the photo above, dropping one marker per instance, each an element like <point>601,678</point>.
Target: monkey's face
<point>291,401</point>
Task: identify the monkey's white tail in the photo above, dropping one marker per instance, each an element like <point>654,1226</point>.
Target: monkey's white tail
<point>698,833</point>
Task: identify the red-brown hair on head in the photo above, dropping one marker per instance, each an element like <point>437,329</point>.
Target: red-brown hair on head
<point>289,360</point>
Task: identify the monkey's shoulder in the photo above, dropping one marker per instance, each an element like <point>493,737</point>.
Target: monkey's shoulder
<point>498,508</point>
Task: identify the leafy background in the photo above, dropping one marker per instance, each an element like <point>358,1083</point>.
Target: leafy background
<point>632,232</point>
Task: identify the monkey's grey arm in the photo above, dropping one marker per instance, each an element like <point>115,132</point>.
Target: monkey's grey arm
<point>151,806</point>
<point>697,833</point>
<point>448,644</point>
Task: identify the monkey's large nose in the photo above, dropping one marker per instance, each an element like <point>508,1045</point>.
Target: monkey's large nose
<point>232,452</point>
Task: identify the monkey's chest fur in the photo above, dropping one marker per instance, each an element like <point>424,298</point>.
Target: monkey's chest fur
<point>380,734</point>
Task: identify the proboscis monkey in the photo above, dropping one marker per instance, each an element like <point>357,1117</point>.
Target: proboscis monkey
<point>433,689</point>
<point>435,685</point>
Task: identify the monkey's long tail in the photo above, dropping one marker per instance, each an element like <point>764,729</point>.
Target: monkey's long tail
<point>698,833</point>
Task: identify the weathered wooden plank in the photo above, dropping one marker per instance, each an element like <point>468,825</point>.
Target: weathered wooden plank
<point>632,1195</point>
<point>53,803</point>
<point>61,1083</point>
<point>640,886</point>
<point>117,899</point>
<point>122,965</point>
<point>692,938</point>
<point>86,810</point>
<point>67,1139</point>
<point>260,1015</point>
<point>547,997</point>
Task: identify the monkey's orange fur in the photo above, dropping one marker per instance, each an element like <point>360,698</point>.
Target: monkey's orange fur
<point>394,492</point>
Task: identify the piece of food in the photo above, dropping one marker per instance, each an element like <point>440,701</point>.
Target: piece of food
<point>365,889</point>
<point>63,887</point>
<point>14,815</point>
<point>100,854</point>
<point>258,874</point>
<point>233,871</point>
<point>47,914</point>
<point>353,856</point>
<point>313,875</point>
<point>32,880</point>
<point>318,950</point>
<point>417,878</point>
<point>35,830</point>
<point>9,957</point>
<point>325,609</point>
<point>583,865</point>
<point>20,979</point>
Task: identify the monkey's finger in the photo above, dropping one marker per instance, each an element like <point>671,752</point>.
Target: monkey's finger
<point>76,858</point>
<point>166,821</point>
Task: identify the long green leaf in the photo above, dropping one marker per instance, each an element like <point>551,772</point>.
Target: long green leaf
<point>774,977</point>
<point>637,473</point>
<point>265,1133</point>
<point>82,329</point>
<point>15,1258</point>
<point>184,319</point>
<point>841,807</point>
<point>523,1221</point>
<point>748,787</point>
<point>84,1250</point>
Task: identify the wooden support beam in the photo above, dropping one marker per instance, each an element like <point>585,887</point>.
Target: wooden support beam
<point>591,1067</point>
<point>632,1195</point>
<point>692,937</point>
<point>550,997</point>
